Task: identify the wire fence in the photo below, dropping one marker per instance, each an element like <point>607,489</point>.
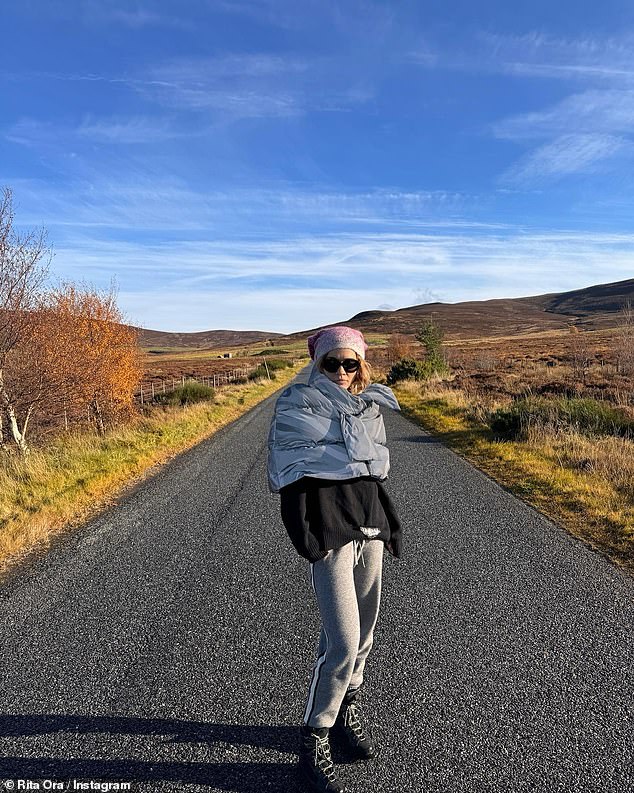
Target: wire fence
<point>67,417</point>
<point>147,391</point>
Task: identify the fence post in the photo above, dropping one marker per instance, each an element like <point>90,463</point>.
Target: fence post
<point>141,394</point>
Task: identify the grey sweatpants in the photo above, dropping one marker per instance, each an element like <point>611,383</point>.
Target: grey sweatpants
<point>347,584</point>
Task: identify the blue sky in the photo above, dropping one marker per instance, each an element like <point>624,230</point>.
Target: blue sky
<point>274,165</point>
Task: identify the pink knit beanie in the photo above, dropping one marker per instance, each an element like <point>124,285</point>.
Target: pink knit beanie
<point>338,336</point>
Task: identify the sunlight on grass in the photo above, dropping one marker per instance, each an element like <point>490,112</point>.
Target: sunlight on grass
<point>586,484</point>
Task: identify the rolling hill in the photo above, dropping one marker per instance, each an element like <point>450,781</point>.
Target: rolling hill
<point>205,339</point>
<point>591,308</point>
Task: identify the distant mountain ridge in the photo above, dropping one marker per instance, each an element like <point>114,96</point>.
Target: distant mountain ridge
<point>599,299</point>
<point>592,307</point>
<point>211,339</point>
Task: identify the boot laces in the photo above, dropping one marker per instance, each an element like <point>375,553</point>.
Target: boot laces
<point>352,719</point>
<point>323,758</point>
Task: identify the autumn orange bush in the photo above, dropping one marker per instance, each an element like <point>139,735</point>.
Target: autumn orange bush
<point>91,358</point>
<point>66,356</point>
<point>76,364</point>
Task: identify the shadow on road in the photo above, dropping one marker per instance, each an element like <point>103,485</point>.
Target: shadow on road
<point>240,777</point>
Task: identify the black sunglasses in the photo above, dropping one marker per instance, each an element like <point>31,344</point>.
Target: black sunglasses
<point>349,364</point>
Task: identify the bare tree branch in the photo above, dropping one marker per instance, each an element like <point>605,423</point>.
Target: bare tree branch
<point>24,260</point>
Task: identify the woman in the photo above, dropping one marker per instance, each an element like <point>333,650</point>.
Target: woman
<point>327,458</point>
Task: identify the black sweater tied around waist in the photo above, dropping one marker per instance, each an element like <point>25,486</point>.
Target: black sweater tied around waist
<point>324,514</point>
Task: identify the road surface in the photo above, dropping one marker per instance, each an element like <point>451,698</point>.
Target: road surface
<point>169,642</point>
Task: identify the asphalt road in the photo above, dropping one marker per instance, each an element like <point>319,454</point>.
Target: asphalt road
<point>169,642</point>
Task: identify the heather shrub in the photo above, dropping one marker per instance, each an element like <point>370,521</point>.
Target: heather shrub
<point>409,369</point>
<point>587,416</point>
<point>186,394</point>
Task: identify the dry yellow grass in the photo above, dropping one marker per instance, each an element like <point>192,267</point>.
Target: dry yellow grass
<point>584,484</point>
<point>610,459</point>
<point>78,475</point>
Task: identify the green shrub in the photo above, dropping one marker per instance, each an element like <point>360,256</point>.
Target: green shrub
<point>186,394</point>
<point>260,371</point>
<point>273,365</point>
<point>278,363</point>
<point>431,337</point>
<point>272,351</point>
<point>409,369</point>
<point>588,416</point>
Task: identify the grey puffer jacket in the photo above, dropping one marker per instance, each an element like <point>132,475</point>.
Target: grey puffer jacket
<point>322,430</point>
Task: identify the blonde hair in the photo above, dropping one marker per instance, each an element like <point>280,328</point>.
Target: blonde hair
<point>362,377</point>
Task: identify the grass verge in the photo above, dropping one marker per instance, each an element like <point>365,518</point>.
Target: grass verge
<point>78,475</point>
<point>568,477</point>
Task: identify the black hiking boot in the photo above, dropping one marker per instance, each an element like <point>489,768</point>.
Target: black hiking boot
<point>351,730</point>
<point>315,763</point>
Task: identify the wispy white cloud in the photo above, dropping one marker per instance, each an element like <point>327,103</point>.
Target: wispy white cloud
<point>269,310</point>
<point>128,130</point>
<point>30,132</point>
<point>426,295</point>
<point>593,111</point>
<point>580,72</point>
<point>253,85</point>
<point>567,154</point>
<point>587,130</point>
<point>94,13</point>
<point>298,282</point>
<point>235,86</point>
<point>148,203</point>
<point>364,18</point>
<point>270,12</point>
<point>589,60</point>
<point>540,55</point>
<point>119,131</point>
<point>139,17</point>
<point>40,76</point>
<point>423,57</point>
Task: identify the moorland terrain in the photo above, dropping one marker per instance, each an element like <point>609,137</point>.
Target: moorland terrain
<point>572,350</point>
<point>498,345</point>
